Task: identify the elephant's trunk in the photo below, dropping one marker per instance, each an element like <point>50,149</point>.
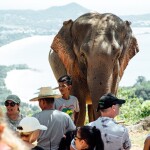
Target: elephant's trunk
<point>99,80</point>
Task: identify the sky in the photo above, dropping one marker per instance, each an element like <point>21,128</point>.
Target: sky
<point>118,7</point>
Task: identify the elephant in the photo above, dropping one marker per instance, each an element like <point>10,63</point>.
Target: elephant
<point>94,50</point>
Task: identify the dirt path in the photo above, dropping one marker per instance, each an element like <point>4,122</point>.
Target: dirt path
<point>137,139</point>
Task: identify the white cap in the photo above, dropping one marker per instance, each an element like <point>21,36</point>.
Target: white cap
<point>29,124</point>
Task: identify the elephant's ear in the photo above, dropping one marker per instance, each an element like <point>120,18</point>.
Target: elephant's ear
<point>130,52</point>
<point>62,45</point>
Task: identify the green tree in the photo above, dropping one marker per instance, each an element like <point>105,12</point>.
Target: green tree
<point>135,108</point>
<point>143,90</point>
<point>140,79</point>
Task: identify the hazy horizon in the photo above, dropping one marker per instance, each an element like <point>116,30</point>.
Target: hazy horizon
<point>128,7</point>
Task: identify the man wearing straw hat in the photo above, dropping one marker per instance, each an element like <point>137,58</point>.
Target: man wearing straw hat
<point>57,122</point>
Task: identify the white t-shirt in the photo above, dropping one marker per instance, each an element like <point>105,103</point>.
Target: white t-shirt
<point>68,106</point>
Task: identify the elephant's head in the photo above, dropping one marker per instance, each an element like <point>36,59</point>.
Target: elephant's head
<point>96,48</point>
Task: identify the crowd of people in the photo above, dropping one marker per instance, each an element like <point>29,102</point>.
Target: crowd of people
<point>9,140</point>
<point>54,128</point>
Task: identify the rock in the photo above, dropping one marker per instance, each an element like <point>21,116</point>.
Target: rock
<point>141,125</point>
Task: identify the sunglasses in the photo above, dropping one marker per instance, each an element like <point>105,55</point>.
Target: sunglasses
<point>12,104</point>
<point>63,86</point>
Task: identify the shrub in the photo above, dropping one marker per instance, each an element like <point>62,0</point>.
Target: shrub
<point>134,109</point>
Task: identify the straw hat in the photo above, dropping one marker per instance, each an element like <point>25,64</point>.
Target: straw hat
<point>45,92</point>
<point>29,124</point>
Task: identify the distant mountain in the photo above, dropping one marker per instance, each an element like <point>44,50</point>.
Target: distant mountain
<point>18,24</point>
<point>138,20</point>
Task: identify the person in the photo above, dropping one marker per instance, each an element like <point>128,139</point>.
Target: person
<point>88,138</point>
<point>13,115</point>
<point>66,140</point>
<point>114,135</point>
<point>9,140</point>
<point>57,122</point>
<point>29,129</point>
<point>147,143</point>
<point>67,103</point>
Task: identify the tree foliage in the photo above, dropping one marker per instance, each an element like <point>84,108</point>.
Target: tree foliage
<point>144,93</point>
<point>140,80</point>
<point>141,88</point>
<point>135,108</point>
<point>28,109</point>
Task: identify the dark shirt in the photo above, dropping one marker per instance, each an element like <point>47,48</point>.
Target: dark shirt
<point>37,148</point>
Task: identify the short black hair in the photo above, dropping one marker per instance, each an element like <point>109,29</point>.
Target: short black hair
<point>49,100</point>
<point>65,78</point>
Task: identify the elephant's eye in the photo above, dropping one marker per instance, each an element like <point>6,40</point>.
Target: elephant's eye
<point>113,48</point>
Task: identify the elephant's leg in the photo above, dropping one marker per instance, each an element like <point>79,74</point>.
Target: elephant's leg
<point>79,90</point>
<point>56,65</point>
<point>82,114</point>
<point>90,112</point>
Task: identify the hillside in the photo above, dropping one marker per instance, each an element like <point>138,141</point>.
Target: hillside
<point>18,24</point>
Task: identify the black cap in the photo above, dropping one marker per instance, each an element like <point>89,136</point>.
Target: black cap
<point>108,100</point>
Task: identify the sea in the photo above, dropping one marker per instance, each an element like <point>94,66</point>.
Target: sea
<point>34,52</point>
